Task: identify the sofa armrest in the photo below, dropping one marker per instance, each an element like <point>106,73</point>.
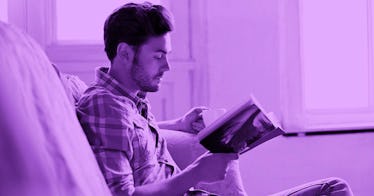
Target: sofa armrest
<point>185,148</point>
<point>43,148</point>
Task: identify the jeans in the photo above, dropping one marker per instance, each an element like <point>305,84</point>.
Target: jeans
<point>325,187</point>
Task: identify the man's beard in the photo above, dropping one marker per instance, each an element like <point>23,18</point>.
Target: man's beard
<point>137,74</point>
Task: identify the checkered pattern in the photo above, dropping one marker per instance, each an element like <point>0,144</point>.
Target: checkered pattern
<point>126,144</point>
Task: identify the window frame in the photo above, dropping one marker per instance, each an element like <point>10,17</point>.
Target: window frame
<point>296,118</point>
<point>39,21</point>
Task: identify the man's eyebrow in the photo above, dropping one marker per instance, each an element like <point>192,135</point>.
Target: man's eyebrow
<point>163,51</point>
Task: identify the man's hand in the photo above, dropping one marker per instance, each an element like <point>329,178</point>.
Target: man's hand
<point>212,167</point>
<point>192,121</point>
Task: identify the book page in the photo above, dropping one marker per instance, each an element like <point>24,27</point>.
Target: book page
<point>212,114</point>
<point>244,129</point>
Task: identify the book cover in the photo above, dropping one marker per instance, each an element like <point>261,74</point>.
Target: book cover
<point>240,129</point>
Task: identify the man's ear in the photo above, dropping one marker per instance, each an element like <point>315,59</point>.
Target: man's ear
<point>125,52</point>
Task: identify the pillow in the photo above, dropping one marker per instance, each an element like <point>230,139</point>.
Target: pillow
<point>42,146</point>
<point>74,87</point>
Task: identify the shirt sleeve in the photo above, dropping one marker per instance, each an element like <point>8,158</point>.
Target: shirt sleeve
<point>109,131</point>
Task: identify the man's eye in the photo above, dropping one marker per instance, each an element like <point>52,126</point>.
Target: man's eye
<point>159,56</point>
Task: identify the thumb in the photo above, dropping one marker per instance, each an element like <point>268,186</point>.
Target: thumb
<point>232,156</point>
<point>200,109</point>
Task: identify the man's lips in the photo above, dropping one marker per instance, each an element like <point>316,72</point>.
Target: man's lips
<point>159,76</point>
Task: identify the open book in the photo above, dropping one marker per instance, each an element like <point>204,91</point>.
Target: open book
<point>240,129</point>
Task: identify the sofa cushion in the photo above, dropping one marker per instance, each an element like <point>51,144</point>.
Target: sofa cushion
<point>42,146</point>
<point>74,87</point>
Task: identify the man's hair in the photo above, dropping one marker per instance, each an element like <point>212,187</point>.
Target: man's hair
<point>134,24</point>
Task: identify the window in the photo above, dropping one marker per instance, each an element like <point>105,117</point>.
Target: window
<point>4,10</point>
<point>71,34</point>
<point>327,57</point>
<point>334,54</point>
<point>83,20</point>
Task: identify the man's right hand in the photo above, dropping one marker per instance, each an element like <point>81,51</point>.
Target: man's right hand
<point>212,167</point>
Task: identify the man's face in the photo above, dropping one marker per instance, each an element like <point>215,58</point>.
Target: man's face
<point>151,62</point>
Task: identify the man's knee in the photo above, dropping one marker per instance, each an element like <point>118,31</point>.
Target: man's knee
<point>337,187</point>
<point>337,182</point>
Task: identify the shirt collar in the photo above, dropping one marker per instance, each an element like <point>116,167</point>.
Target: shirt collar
<point>107,81</point>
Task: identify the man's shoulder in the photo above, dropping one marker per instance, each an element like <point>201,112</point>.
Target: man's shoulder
<point>100,103</point>
<point>98,95</point>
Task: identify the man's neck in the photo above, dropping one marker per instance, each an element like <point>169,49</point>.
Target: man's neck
<point>126,83</point>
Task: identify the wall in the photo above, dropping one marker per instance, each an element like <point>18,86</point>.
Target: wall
<point>243,45</point>
<point>243,58</point>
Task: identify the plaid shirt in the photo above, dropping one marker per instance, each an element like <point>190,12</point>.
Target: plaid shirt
<point>127,145</point>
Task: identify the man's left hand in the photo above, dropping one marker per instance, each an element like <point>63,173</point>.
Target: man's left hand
<point>192,121</point>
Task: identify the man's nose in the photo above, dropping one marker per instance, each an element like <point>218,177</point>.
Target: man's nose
<point>166,65</point>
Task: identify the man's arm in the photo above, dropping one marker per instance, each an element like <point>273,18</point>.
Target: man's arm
<point>170,124</point>
<point>207,168</point>
<point>176,185</point>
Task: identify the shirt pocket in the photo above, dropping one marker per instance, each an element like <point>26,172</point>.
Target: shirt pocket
<point>144,145</point>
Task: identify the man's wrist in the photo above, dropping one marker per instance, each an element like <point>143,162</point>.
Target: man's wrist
<point>178,124</point>
<point>191,173</point>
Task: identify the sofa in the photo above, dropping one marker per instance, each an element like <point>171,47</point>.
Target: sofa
<point>43,148</point>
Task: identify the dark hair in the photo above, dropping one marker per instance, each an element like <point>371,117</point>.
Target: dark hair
<point>134,24</point>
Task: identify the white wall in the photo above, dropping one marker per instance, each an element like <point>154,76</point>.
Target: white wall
<point>243,42</point>
<point>243,58</point>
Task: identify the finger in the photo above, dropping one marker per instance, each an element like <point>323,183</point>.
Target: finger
<point>200,109</point>
<point>200,116</point>
<point>194,126</point>
<point>226,158</point>
<point>198,126</point>
<point>198,123</point>
<point>196,130</point>
<point>199,120</point>
<point>232,156</point>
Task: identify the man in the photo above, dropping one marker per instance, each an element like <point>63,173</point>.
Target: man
<point>123,133</point>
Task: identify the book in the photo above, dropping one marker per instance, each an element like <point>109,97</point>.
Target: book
<point>240,129</point>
